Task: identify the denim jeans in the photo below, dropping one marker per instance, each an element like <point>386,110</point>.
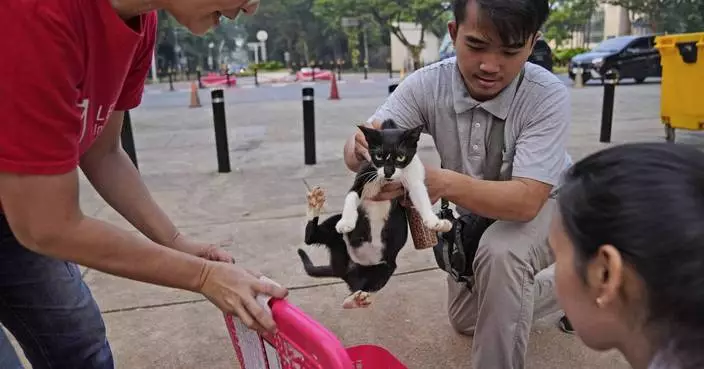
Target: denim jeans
<point>51,312</point>
<point>8,356</point>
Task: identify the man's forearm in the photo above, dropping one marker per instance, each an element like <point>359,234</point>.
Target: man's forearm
<point>104,247</point>
<point>506,200</point>
<point>117,180</point>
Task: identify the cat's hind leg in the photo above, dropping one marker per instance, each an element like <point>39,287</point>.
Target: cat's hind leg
<point>359,299</point>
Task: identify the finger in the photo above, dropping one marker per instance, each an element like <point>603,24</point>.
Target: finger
<point>361,140</point>
<point>225,257</point>
<point>393,186</point>
<point>271,289</point>
<point>389,195</point>
<point>244,316</point>
<point>261,316</point>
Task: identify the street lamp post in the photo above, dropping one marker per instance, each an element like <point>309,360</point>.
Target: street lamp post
<point>262,37</point>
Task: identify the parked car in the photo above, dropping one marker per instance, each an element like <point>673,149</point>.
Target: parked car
<point>626,56</point>
<point>541,55</point>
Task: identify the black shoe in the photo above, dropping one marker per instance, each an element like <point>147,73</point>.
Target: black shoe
<point>565,325</point>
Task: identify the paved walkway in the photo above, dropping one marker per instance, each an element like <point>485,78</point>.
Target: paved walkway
<point>262,203</point>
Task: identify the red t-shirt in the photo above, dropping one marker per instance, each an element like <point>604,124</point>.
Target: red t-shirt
<point>66,66</point>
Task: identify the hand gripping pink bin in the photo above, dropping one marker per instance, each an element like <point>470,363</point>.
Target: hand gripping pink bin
<point>301,343</point>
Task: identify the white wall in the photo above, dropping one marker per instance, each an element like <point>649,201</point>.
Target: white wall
<point>411,31</point>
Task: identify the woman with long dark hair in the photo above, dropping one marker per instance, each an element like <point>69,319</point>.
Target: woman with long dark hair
<point>629,245</point>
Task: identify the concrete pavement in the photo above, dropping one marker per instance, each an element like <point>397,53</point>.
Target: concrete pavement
<point>261,203</point>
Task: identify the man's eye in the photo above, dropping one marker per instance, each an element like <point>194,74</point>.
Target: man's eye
<point>401,158</point>
<point>474,47</point>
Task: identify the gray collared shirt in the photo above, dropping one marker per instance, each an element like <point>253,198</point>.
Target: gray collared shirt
<point>537,118</point>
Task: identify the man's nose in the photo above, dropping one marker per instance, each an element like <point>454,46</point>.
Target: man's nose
<point>490,65</point>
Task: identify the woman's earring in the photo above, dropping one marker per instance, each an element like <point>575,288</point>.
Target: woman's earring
<point>599,301</point>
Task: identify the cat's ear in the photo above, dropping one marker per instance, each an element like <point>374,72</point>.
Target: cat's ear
<point>412,135</point>
<point>372,135</point>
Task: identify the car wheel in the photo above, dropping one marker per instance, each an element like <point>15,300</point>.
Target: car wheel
<point>669,133</point>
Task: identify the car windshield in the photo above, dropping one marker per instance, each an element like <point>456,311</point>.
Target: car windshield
<point>612,45</point>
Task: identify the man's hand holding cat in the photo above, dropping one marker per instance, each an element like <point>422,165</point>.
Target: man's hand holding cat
<point>434,181</point>
<point>233,289</point>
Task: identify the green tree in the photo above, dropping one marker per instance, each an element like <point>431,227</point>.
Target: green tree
<point>666,15</point>
<point>567,16</point>
<point>387,14</point>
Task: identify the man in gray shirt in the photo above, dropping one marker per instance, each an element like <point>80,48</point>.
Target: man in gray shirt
<point>457,100</point>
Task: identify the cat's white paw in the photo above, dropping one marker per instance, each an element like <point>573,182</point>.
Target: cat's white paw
<point>346,225</point>
<point>359,299</point>
<point>436,224</point>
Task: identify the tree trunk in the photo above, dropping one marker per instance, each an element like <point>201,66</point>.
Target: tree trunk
<point>415,51</point>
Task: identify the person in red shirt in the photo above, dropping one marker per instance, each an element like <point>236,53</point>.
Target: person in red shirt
<point>69,70</point>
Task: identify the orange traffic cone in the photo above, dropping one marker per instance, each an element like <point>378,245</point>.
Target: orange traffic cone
<point>195,99</point>
<point>334,94</point>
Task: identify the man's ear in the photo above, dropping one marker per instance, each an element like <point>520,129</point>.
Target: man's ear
<point>372,135</point>
<point>452,30</point>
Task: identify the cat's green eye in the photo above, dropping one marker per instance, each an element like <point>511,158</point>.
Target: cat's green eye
<point>401,158</point>
<point>378,157</point>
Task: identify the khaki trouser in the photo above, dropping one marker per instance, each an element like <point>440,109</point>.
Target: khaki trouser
<point>506,297</point>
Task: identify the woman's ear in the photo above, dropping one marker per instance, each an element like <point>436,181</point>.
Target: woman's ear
<point>605,275</point>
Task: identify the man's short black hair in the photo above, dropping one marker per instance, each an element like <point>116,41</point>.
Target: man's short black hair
<point>515,20</point>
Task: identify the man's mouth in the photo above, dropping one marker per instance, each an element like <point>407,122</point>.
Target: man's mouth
<point>486,82</point>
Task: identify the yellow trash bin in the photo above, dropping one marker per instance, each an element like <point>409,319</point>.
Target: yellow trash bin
<point>682,87</point>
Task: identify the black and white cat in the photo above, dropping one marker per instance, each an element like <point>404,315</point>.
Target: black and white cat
<point>365,239</point>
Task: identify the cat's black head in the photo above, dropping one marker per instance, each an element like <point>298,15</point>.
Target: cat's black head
<point>391,148</point>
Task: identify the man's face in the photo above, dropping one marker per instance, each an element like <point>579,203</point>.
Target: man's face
<point>200,15</point>
<point>487,65</point>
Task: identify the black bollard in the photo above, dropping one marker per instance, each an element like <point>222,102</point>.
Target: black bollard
<point>200,83</point>
<point>392,88</point>
<point>366,70</point>
<point>256,76</point>
<point>127,138</point>
<point>309,125</point>
<point>171,80</point>
<point>607,110</point>
<point>339,71</point>
<point>220,131</point>
<point>227,73</point>
<point>391,72</point>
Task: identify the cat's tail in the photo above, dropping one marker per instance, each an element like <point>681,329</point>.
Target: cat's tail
<point>313,270</point>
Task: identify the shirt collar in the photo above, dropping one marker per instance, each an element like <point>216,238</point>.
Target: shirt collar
<point>497,106</point>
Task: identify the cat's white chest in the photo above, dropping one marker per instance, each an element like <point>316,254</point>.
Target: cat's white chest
<point>371,253</point>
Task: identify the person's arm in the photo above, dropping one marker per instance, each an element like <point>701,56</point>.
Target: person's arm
<point>112,174</point>
<point>538,161</point>
<point>44,214</point>
<point>406,106</point>
<point>115,178</point>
